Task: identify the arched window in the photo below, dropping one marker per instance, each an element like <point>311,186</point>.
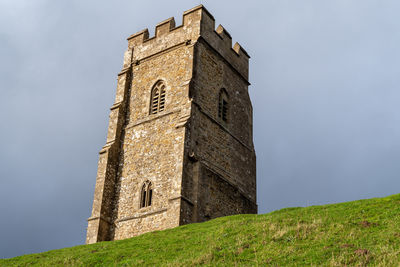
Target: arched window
<point>146,194</point>
<point>223,105</point>
<point>157,102</point>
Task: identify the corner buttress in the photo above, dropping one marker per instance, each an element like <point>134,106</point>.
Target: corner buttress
<point>100,223</point>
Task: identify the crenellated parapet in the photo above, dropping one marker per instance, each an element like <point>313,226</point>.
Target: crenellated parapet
<point>221,41</point>
<point>196,23</point>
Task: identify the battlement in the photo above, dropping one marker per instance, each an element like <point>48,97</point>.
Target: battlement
<point>196,23</point>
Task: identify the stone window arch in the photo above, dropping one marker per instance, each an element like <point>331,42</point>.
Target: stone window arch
<point>223,105</point>
<point>146,194</point>
<point>157,100</point>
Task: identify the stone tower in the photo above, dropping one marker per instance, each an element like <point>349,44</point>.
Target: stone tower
<point>179,145</point>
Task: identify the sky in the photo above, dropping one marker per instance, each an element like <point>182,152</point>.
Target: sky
<point>325,81</point>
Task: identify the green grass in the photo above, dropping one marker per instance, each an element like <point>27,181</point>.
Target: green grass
<point>358,233</point>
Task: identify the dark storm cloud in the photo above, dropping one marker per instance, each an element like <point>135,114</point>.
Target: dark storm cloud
<point>325,89</point>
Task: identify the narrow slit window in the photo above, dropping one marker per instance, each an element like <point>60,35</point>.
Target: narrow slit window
<point>143,197</point>
<point>146,194</point>
<point>224,110</point>
<point>158,93</point>
<point>223,105</point>
<point>150,196</point>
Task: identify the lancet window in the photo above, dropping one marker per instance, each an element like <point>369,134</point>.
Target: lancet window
<point>146,194</point>
<point>223,105</point>
<point>157,101</point>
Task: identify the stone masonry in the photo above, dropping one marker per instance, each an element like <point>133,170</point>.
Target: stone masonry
<point>196,150</point>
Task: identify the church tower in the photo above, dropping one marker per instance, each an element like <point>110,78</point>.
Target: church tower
<point>179,146</point>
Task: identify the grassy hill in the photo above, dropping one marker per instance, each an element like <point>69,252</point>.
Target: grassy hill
<point>364,232</point>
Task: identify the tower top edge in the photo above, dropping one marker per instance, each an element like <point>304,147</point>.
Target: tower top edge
<point>197,8</point>
<point>198,14</point>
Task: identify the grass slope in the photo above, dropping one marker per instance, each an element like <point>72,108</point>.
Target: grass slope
<point>364,232</point>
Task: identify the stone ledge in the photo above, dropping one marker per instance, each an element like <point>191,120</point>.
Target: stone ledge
<point>107,146</point>
<point>182,197</point>
<point>152,117</point>
<point>124,70</point>
<point>164,51</point>
<point>217,170</point>
<point>183,121</point>
<point>99,218</point>
<point>222,126</point>
<point>141,215</point>
<point>116,105</point>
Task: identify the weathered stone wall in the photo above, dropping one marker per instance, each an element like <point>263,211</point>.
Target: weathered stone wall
<point>224,149</point>
<point>100,223</point>
<point>153,145</point>
<point>200,166</point>
<point>219,197</point>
